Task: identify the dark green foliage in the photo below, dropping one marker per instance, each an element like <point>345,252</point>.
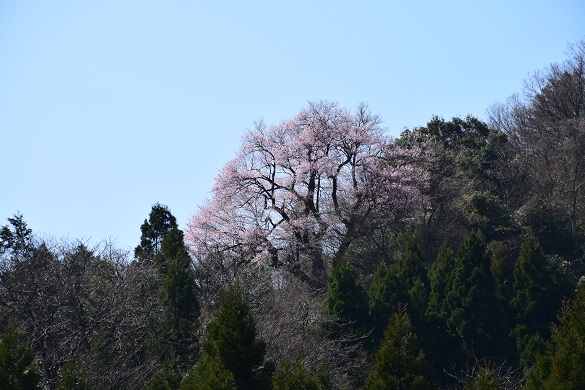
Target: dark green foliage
<point>232,347</point>
<point>18,370</point>
<point>168,377</point>
<point>16,238</point>
<point>485,378</point>
<point>387,290</point>
<point>179,295</point>
<point>209,374</point>
<point>154,230</point>
<point>347,297</point>
<point>535,300</point>
<point>440,282</point>
<point>414,276</point>
<point>471,303</point>
<point>400,364</point>
<point>295,377</point>
<point>561,366</point>
<point>73,378</point>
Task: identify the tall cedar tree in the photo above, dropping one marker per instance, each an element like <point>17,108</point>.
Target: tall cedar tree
<point>400,364</point>
<point>347,297</point>
<point>18,370</point>
<point>179,325</point>
<point>535,300</point>
<point>387,291</point>
<point>472,311</point>
<point>561,366</point>
<point>299,376</point>
<point>232,348</point>
<point>154,230</point>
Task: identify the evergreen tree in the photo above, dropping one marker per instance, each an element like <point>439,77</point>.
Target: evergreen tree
<point>387,291</point>
<point>400,364</point>
<point>154,230</point>
<point>414,275</point>
<point>535,302</point>
<point>232,348</point>
<point>293,377</point>
<point>471,304</point>
<point>209,374</point>
<point>439,281</point>
<point>16,238</point>
<point>347,297</point>
<point>561,366</point>
<point>18,370</point>
<point>179,294</point>
<point>72,378</point>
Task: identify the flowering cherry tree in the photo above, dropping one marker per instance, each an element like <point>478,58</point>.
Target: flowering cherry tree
<point>299,192</point>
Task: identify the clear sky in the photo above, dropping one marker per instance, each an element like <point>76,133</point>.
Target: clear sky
<point>109,106</point>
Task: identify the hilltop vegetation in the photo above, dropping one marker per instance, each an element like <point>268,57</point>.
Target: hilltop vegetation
<point>331,256</point>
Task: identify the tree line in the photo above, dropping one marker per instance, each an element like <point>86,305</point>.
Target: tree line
<point>331,256</point>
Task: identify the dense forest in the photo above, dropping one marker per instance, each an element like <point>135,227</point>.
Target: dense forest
<point>331,256</point>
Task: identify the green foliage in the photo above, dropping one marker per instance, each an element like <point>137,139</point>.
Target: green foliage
<point>293,377</point>
<point>347,297</point>
<point>154,230</point>
<point>179,294</point>
<point>232,346</point>
<point>414,277</point>
<point>400,364</point>
<point>209,374</point>
<point>471,303</point>
<point>16,237</point>
<point>535,300</point>
<point>18,370</point>
<point>72,377</point>
<point>486,378</point>
<point>440,282</point>
<point>561,366</point>
<point>386,291</point>
<point>167,377</point>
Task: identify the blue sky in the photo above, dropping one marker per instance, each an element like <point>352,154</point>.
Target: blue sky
<point>107,107</point>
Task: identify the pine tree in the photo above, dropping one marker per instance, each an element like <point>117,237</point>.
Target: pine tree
<point>18,370</point>
<point>400,364</point>
<point>232,348</point>
<point>535,300</point>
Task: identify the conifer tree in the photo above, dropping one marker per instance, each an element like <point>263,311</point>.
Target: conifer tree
<point>387,291</point>
<point>232,348</point>
<point>400,364</point>
<point>154,230</point>
<point>535,301</point>
<point>297,376</point>
<point>471,305</point>
<point>179,292</point>
<point>347,297</point>
<point>18,370</point>
<point>439,281</point>
<point>561,366</point>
